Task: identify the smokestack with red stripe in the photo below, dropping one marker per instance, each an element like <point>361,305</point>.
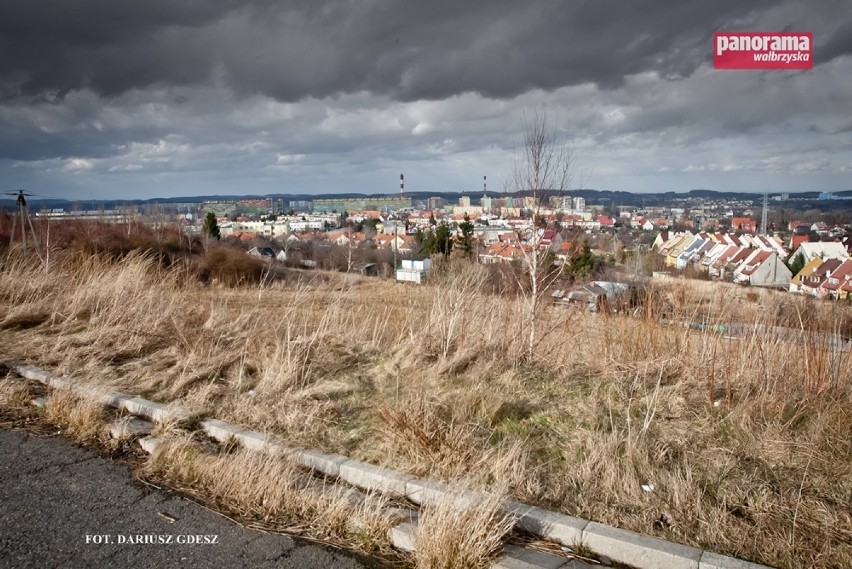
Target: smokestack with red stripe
<point>401,184</point>
<point>484,187</point>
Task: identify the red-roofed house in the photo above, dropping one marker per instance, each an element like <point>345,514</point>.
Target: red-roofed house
<point>711,256</point>
<point>797,239</point>
<point>550,240</point>
<point>812,283</point>
<point>763,268</point>
<point>501,253</point>
<point>564,252</point>
<point>839,283</point>
<point>734,261</point>
<point>744,224</point>
<point>606,222</point>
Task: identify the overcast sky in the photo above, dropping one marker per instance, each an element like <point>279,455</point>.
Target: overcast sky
<point>157,98</point>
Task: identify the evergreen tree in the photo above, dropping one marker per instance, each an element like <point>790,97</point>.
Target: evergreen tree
<point>211,226</point>
<point>796,265</point>
<point>583,263</point>
<point>443,239</point>
<point>466,238</point>
<point>439,240</point>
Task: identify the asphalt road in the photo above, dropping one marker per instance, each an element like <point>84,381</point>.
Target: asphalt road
<point>63,506</point>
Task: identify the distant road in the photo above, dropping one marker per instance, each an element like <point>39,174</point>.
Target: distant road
<point>57,501</point>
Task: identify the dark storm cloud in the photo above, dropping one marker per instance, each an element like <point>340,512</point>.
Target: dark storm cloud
<point>405,49</point>
<point>177,97</point>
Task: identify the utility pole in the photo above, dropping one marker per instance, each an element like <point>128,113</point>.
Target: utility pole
<point>21,203</point>
<point>395,245</point>
<point>763,217</point>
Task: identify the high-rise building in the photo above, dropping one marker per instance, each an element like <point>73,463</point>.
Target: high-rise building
<point>435,203</point>
<point>300,205</point>
<point>384,203</point>
<point>464,201</point>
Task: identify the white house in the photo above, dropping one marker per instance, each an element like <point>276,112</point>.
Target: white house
<point>763,268</point>
<point>413,271</point>
<point>684,257</point>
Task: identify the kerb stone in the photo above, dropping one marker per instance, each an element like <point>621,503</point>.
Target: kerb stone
<point>220,430</point>
<point>102,396</point>
<point>43,376</point>
<point>130,427</point>
<point>372,477</point>
<point>710,560</point>
<point>328,464</point>
<point>421,491</point>
<point>258,442</point>
<point>155,411</point>
<point>149,444</point>
<point>404,536</point>
<point>515,557</point>
<point>639,550</point>
<point>561,528</point>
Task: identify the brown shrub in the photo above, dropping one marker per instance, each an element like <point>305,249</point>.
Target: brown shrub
<point>116,241</point>
<point>231,267</point>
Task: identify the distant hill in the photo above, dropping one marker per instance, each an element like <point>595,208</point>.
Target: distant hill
<point>592,197</point>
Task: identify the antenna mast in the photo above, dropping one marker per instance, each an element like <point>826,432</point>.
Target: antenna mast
<point>21,203</point>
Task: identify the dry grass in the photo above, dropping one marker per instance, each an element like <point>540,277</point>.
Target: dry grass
<point>273,493</point>
<point>14,394</point>
<point>746,440</point>
<point>81,419</point>
<point>466,536</point>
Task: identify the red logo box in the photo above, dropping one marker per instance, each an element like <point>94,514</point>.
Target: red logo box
<point>763,50</point>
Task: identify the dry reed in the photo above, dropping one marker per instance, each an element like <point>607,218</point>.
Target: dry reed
<point>745,437</point>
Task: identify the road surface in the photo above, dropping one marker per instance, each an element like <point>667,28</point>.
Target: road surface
<point>63,506</point>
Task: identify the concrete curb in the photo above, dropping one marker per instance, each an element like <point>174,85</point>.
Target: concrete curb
<point>149,444</point>
<point>553,526</point>
<point>129,427</point>
<point>710,560</point>
<point>404,536</point>
<point>328,464</point>
<point>371,477</point>
<point>516,557</point>
<point>637,550</point>
<point>133,405</point>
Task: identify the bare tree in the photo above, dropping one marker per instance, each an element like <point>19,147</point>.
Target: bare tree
<point>543,168</point>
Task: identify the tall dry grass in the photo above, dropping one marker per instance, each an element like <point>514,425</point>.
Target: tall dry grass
<point>81,419</point>
<point>745,440</point>
<point>454,536</point>
<point>274,493</point>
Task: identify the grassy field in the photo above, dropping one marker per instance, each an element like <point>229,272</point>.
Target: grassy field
<point>747,441</point>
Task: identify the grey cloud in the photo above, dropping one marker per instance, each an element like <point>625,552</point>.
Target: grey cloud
<point>199,94</point>
<point>407,50</point>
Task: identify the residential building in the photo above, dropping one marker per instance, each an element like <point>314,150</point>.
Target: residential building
<point>812,282</point>
<point>763,268</point>
<point>435,203</point>
<point>413,271</point>
<point>743,224</point>
<point>824,249</point>
<point>809,268</point>
<point>839,282</point>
